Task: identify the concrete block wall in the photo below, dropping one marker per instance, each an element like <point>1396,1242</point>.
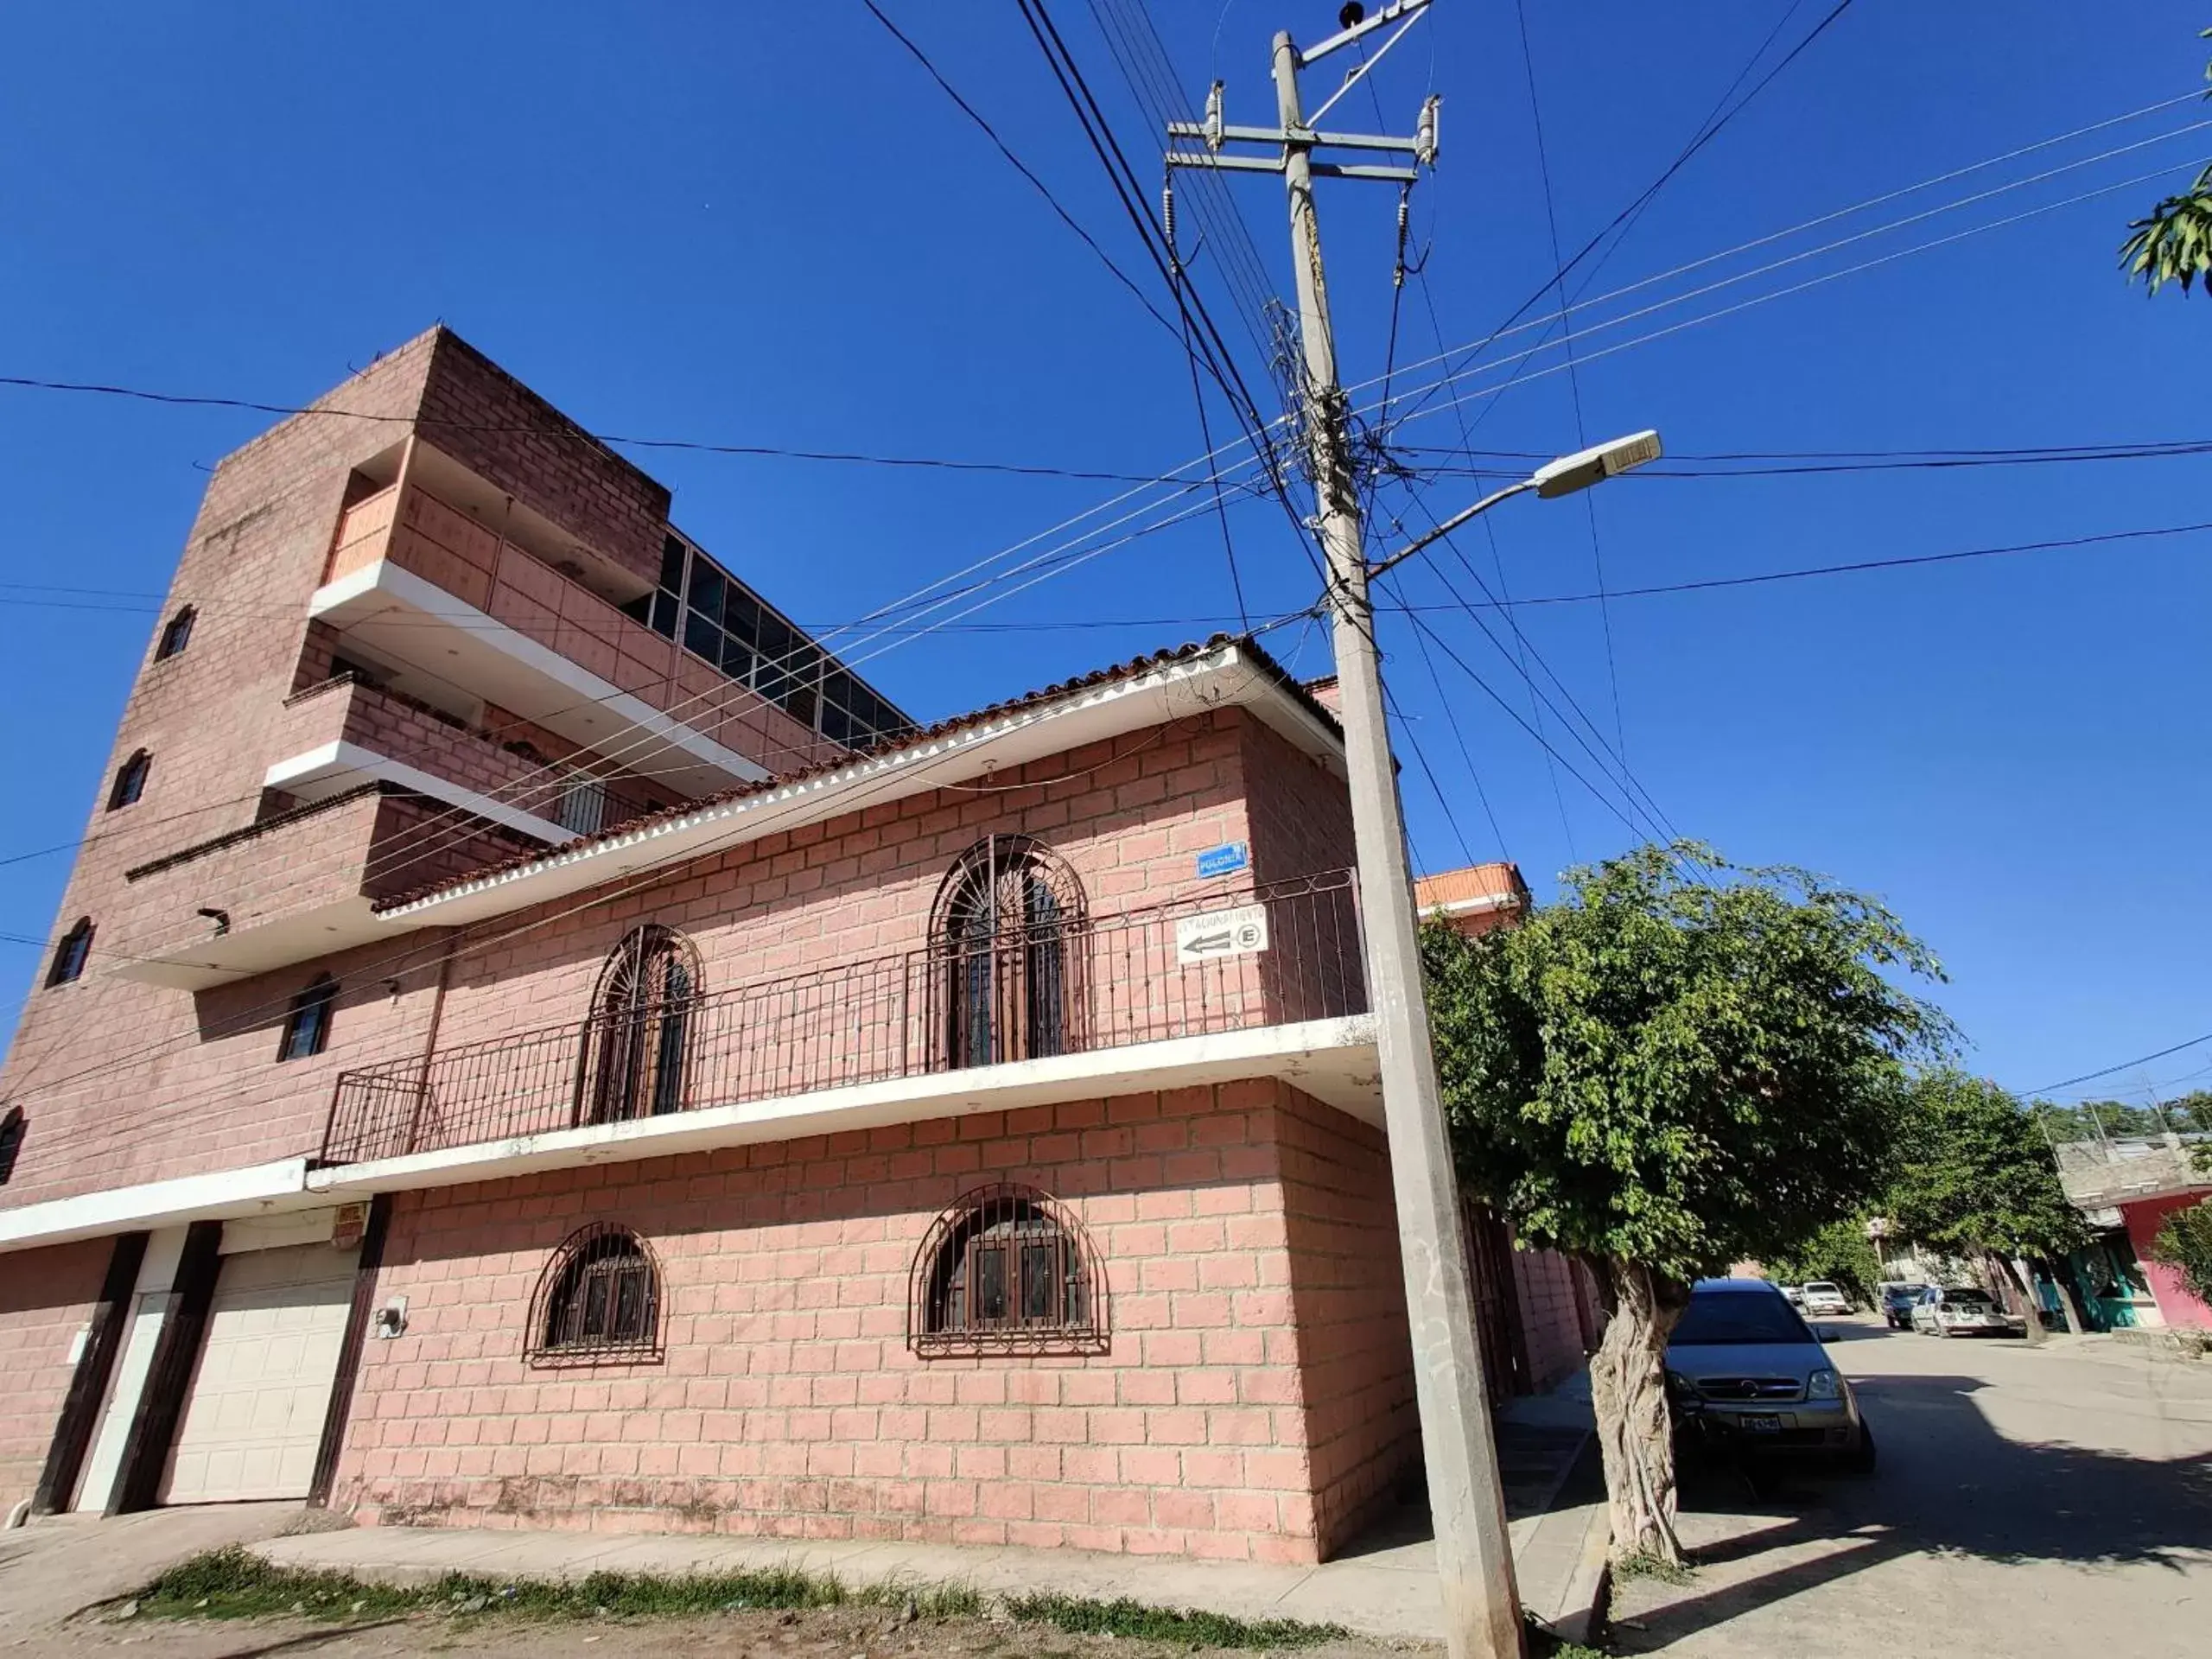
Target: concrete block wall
<point>45,1297</point>
<point>788,1402</point>
<point>1551,1316</point>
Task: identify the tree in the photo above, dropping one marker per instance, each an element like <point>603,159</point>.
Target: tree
<point>1664,1073</point>
<point>1978,1179</point>
<point>2186,1242</point>
<point>2173,243</point>
<point>1840,1252</point>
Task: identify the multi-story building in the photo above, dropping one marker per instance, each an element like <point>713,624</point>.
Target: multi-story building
<point>532,1038</point>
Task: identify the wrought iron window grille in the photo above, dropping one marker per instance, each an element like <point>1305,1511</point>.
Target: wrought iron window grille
<point>1007,1270</point>
<point>598,1301</point>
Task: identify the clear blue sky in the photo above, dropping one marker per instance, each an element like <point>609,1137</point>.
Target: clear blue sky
<point>766,225</point>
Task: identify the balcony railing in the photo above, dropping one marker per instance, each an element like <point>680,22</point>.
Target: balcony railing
<point>1217,962</point>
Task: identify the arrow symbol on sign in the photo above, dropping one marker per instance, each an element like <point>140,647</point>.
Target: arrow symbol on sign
<point>1207,944</point>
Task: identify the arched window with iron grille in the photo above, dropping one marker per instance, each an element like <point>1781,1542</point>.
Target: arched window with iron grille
<point>636,1046</point>
<point>1007,937</point>
<point>599,1299</point>
<point>1007,1269</point>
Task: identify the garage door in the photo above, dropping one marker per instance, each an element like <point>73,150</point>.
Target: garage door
<point>255,1415</point>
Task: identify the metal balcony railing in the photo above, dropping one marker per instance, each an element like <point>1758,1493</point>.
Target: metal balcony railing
<point>1220,961</point>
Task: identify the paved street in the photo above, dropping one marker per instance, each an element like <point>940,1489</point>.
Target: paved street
<point>2028,1503</point>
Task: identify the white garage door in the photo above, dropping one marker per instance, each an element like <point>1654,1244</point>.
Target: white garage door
<point>255,1415</point>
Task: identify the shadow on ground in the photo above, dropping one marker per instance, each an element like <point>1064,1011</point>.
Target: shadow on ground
<point>1948,1486</point>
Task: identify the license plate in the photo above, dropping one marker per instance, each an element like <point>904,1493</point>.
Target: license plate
<point>1761,1425</point>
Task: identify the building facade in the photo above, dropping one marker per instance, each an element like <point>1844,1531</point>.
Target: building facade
<point>532,1038</point>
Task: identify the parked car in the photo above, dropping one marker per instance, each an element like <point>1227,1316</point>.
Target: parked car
<point>1824,1299</point>
<point>1962,1312</point>
<point>1897,1302</point>
<point>1794,1294</point>
<point>1747,1374</point>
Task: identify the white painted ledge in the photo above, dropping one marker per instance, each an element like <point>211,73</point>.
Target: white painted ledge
<point>259,1188</point>
<point>1332,1060</point>
<point>333,767</point>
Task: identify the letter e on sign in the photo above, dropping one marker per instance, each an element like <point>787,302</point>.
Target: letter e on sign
<point>1239,932</point>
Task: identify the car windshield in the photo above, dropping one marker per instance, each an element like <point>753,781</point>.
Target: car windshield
<point>1904,1293</point>
<point>1723,1316</point>
<point>1821,1287</point>
<point>1968,1299</point>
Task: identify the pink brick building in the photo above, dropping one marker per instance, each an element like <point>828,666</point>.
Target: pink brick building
<point>532,1039</point>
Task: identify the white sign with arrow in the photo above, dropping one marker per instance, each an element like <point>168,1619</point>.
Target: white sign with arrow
<point>1240,932</point>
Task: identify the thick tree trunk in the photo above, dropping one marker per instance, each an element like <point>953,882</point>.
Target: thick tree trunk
<point>2067,1311</point>
<point>2011,1290</point>
<point>2026,1275</point>
<point>1628,1387</point>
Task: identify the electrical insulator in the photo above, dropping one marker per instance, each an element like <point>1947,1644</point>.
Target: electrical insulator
<point>1425,135</point>
<point>1168,212</point>
<point>1213,117</point>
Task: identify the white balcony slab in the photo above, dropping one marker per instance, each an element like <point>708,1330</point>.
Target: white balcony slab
<point>1332,1060</point>
<point>399,615</point>
<point>223,1195</point>
<point>333,768</point>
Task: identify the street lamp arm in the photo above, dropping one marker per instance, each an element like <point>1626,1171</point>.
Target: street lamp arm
<point>1449,524</point>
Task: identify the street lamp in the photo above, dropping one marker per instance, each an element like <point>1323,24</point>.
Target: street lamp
<point>1555,477</point>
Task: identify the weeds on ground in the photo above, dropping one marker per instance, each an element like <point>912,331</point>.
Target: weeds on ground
<point>1081,1616</point>
<point>235,1583</point>
<point>1630,1568</point>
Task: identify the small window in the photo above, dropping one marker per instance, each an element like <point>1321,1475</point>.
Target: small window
<point>177,635</point>
<point>306,1028</point>
<point>69,954</point>
<point>11,1141</point>
<point>130,780</point>
<point>599,1299</point>
<point>1006,1270</point>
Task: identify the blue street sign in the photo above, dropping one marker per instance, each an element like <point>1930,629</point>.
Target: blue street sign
<point>1225,860</point>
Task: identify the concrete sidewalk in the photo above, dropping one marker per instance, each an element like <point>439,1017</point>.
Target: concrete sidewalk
<point>1384,1585</point>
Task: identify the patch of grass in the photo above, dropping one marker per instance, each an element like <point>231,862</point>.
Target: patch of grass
<point>1630,1568</point>
<point>1080,1615</point>
<point>235,1583</point>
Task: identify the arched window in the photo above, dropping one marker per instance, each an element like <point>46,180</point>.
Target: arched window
<point>176,634</point>
<point>1005,937</point>
<point>70,952</point>
<point>598,1298</point>
<point>130,780</point>
<point>1006,1270</point>
<point>636,1046</point>
<point>307,1028</point>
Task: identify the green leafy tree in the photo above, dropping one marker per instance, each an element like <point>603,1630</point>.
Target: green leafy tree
<point>1840,1252</point>
<point>1978,1178</point>
<point>1664,1073</point>
<point>2173,243</point>
<point>2186,1242</point>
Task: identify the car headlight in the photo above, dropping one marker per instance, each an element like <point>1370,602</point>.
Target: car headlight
<point>1822,1385</point>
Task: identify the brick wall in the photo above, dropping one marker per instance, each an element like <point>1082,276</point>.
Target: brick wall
<point>46,1296</point>
<point>788,1403</point>
<point>401,728</point>
<point>1349,1304</point>
<point>500,430</point>
<point>1551,1316</point>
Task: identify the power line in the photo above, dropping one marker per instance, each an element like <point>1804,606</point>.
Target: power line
<point>1705,583</point>
<point>1573,380</point>
<point>1019,166</point>
<point>1711,130</point>
<point>2106,1072</point>
<point>1474,349</point>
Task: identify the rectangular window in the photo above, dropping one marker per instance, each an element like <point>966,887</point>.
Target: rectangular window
<point>307,1029</point>
<point>664,617</point>
<point>702,638</point>
<point>672,554</point>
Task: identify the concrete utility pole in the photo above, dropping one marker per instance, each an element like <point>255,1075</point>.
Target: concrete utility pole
<point>1482,1608</point>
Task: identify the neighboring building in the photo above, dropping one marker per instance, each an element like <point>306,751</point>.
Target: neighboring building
<point>1538,1310</point>
<point>2127,1186</point>
<point>533,1039</point>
